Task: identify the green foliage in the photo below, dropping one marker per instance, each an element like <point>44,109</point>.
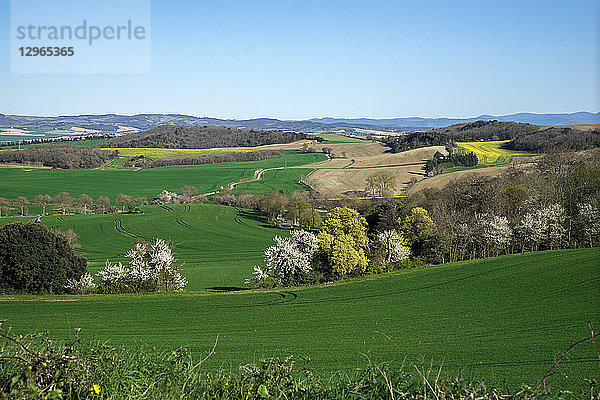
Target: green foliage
<point>36,367</point>
<point>343,240</point>
<point>35,260</point>
<point>303,214</point>
<point>417,227</point>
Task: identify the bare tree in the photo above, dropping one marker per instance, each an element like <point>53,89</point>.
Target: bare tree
<point>104,202</point>
<point>123,200</point>
<point>22,201</point>
<point>43,200</point>
<point>85,201</point>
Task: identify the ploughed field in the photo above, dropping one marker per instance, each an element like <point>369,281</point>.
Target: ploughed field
<point>498,319</point>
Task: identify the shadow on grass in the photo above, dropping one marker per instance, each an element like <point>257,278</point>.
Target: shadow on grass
<point>226,288</point>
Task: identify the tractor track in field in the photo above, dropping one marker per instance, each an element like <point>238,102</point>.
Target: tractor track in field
<point>167,208</point>
<point>181,222</point>
<point>119,228</point>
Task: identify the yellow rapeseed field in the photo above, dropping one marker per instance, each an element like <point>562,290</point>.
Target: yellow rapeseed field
<point>491,152</point>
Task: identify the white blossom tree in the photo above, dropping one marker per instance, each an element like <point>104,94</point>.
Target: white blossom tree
<point>83,285</point>
<point>544,226</point>
<point>151,267</point>
<point>288,260</point>
<point>497,232</point>
<point>589,218</point>
<point>391,246</point>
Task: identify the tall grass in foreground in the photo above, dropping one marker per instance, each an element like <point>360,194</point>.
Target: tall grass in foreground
<point>36,367</point>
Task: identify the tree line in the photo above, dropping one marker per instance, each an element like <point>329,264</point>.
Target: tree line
<point>231,156</point>
<point>202,137</point>
<point>65,156</point>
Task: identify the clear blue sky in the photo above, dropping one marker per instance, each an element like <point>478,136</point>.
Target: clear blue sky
<point>302,59</point>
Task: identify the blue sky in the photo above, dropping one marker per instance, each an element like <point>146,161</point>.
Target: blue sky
<point>302,59</point>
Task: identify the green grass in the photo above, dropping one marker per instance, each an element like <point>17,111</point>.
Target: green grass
<point>331,138</point>
<point>279,179</point>
<point>148,183</point>
<point>87,143</point>
<point>499,319</point>
<point>218,245</point>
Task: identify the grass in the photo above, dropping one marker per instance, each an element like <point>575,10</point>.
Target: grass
<point>287,180</point>
<point>491,152</point>
<point>148,183</point>
<point>87,143</point>
<point>498,319</point>
<point>331,138</point>
<point>218,245</point>
<point>166,153</point>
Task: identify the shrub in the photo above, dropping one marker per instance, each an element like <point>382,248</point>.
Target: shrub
<point>35,260</point>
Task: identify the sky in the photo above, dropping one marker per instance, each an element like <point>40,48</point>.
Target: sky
<point>339,58</point>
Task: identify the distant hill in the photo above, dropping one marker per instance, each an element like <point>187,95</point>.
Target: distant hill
<point>110,123</point>
<point>529,118</point>
<point>202,137</point>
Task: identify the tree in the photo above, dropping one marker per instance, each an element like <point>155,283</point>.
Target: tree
<point>140,201</point>
<point>123,200</point>
<point>343,240</point>
<point>64,200</point>
<point>151,267</point>
<point>390,247</point>
<point>189,191</point>
<point>496,232</point>
<point>104,202</point>
<point>4,206</point>
<point>417,226</point>
<point>85,201</point>
<point>43,200</point>
<point>35,260</point>
<point>289,260</point>
<point>22,201</point>
<point>272,204</point>
<point>303,214</point>
<point>381,183</point>
<point>589,219</point>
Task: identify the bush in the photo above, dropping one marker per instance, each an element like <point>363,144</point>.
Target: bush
<point>35,260</point>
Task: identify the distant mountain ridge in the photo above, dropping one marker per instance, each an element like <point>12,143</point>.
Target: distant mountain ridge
<point>582,117</point>
<point>112,122</point>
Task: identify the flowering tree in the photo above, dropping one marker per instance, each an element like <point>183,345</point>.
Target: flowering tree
<point>83,285</point>
<point>589,218</point>
<point>288,260</point>
<point>496,232</point>
<point>544,226</point>
<point>151,268</point>
<point>391,247</point>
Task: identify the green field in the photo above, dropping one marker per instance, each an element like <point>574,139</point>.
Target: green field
<point>331,138</point>
<point>218,245</point>
<point>498,319</point>
<point>279,179</point>
<point>491,152</point>
<point>149,183</point>
<point>87,143</point>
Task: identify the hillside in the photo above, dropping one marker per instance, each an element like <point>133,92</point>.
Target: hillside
<point>202,137</point>
<point>499,319</point>
<point>522,137</point>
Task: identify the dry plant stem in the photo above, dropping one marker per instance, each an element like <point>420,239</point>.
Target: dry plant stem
<point>16,342</point>
<point>558,360</point>
<point>210,353</point>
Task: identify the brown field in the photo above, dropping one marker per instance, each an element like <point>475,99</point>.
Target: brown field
<point>332,182</point>
<point>341,175</point>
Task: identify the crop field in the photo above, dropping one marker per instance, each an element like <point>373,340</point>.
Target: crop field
<point>148,183</point>
<point>87,143</point>
<point>218,245</point>
<point>287,180</point>
<point>331,138</point>
<point>167,153</point>
<point>498,319</point>
<point>491,152</point>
